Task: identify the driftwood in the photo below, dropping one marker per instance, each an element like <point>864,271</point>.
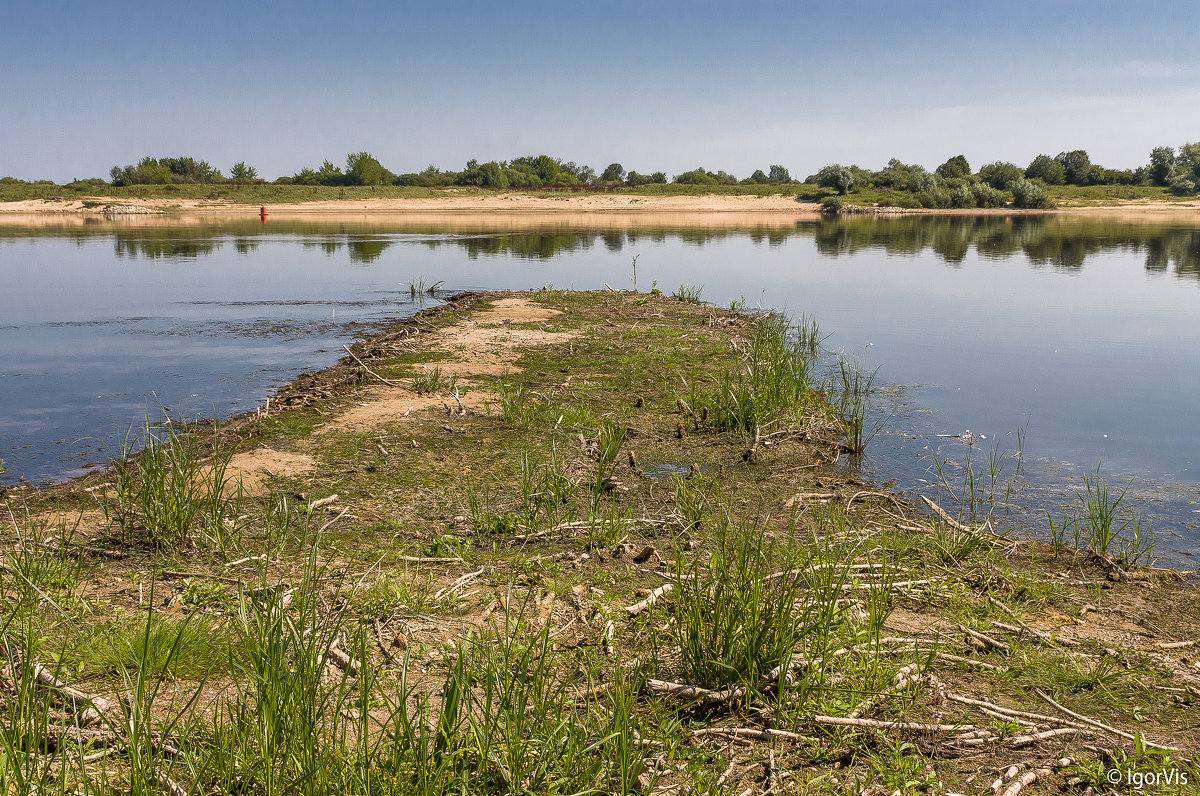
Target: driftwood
<point>637,608</point>
<point>1030,777</point>
<point>946,518</point>
<point>368,370</point>
<point>325,501</point>
<point>1104,727</point>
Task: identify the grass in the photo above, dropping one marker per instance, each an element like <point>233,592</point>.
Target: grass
<point>167,492</point>
<point>772,378</point>
<point>512,663</point>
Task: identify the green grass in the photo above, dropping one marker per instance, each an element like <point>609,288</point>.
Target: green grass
<point>168,495</point>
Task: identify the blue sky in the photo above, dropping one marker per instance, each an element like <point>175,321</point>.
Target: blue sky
<point>653,85</point>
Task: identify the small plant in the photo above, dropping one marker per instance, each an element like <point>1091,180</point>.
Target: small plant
<point>735,619</point>
<point>773,377</point>
<point>689,293</point>
<point>165,491</point>
<point>432,381</point>
<point>850,405</point>
<point>418,287</point>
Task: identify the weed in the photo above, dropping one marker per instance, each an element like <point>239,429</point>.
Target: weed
<point>734,618</point>
<point>432,381</point>
<point>772,377</point>
<point>165,491</point>
<point>850,405</point>
<point>689,293</point>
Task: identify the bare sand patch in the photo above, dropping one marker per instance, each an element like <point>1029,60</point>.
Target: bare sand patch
<point>382,405</point>
<point>484,345</point>
<point>256,468</point>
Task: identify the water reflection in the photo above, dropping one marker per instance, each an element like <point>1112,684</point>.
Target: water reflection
<point>1061,243</point>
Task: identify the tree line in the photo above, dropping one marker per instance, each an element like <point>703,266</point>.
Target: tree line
<point>951,184</point>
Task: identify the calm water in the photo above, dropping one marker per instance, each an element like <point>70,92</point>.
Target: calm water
<point>1083,333</point>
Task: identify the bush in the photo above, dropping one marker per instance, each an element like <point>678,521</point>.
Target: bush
<point>962,196</point>
<point>987,196</point>
<point>696,177</point>
<point>1001,175</point>
<point>936,199</point>
<point>1046,169</point>
<point>921,181</point>
<point>836,176</point>
<point>1030,195</point>
<point>956,166</point>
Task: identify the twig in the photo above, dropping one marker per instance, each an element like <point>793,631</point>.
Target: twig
<point>911,726</point>
<point>1098,725</point>
<point>637,608</point>
<point>368,370</point>
<point>704,696</point>
<point>988,640</point>
<point>325,501</point>
<point>427,560</point>
<point>746,732</point>
<point>458,584</point>
<point>941,512</point>
<point>1030,777</point>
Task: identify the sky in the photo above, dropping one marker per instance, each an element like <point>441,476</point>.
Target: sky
<point>652,85</point>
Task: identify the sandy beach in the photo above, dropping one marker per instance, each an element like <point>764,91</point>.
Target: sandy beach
<point>523,203</point>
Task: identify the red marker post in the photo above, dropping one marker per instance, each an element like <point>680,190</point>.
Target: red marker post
<point>262,213</point>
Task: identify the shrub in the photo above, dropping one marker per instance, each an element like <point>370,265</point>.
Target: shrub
<point>921,181</point>
<point>1046,169</point>
<point>962,196</point>
<point>956,166</point>
<point>987,196</point>
<point>1001,175</point>
<point>1030,195</point>
<point>937,199</point>
<point>696,177</point>
<point>836,176</point>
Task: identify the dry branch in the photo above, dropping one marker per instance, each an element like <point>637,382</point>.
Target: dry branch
<point>637,608</point>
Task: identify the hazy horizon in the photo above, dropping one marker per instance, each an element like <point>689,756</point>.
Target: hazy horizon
<point>655,86</point>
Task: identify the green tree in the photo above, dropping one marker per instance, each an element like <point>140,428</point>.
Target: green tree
<point>362,168</point>
<point>778,174</point>
<point>836,176</point>
<point>1031,195</point>
<point>1001,175</point>
<point>758,177</point>
<point>1046,169</point>
<point>697,176</point>
<point>614,172</point>
<point>1075,166</point>
<point>956,166</point>
<point>242,172</point>
<point>1162,164</point>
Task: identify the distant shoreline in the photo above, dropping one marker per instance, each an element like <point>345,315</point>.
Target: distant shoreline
<point>519,203</point>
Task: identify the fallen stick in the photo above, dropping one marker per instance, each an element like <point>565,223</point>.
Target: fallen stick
<point>428,560</point>
<point>1176,645</point>
<point>341,659</point>
<point>747,732</point>
<point>705,696</point>
<point>325,501</point>
<point>637,608</point>
<point>988,640</point>
<point>1012,713</point>
<point>1038,634</point>
<point>458,584</point>
<point>1030,777</point>
<point>906,676</point>
<point>1025,740</point>
<point>911,726</point>
<point>941,512</point>
<point>1105,727</point>
<point>368,370</point>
